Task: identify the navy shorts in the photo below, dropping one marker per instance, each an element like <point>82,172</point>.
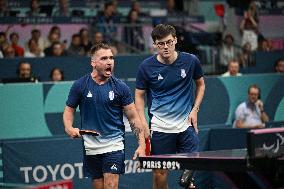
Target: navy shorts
<point>96,165</point>
<point>172,143</point>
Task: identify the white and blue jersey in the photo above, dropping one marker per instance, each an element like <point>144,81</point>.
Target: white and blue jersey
<point>101,109</point>
<point>169,90</point>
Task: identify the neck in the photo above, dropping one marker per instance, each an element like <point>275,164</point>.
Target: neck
<point>168,60</point>
<point>99,79</point>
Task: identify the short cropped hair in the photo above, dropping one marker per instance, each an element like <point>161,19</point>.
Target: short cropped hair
<point>98,46</point>
<point>277,62</point>
<point>233,60</point>
<point>162,31</point>
<point>255,87</point>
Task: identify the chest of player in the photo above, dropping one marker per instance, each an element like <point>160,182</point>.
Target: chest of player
<point>100,98</point>
<point>169,77</point>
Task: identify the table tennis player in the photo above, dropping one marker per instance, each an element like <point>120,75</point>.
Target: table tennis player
<point>102,99</point>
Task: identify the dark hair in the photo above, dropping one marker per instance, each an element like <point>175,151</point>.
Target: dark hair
<point>256,87</point>
<point>82,30</point>
<point>2,33</point>
<point>35,31</point>
<point>162,31</point>
<point>19,65</point>
<point>30,41</point>
<point>61,72</point>
<point>55,43</point>
<point>12,34</point>
<point>229,36</point>
<point>75,35</point>
<point>233,60</point>
<point>98,46</point>
<point>107,4</point>
<point>54,28</point>
<point>277,62</point>
<point>129,14</point>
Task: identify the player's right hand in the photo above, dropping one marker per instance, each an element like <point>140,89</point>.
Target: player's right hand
<point>72,132</point>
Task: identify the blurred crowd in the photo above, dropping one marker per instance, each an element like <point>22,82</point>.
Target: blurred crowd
<point>231,57</point>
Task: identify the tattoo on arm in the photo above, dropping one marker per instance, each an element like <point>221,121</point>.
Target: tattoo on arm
<point>135,130</point>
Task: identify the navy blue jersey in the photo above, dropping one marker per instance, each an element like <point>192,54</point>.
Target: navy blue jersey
<point>170,90</point>
<point>101,106</point>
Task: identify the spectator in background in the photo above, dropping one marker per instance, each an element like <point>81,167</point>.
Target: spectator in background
<point>133,34</point>
<point>24,72</point>
<point>136,7</point>
<point>33,50</point>
<point>75,48</point>
<point>233,68</point>
<point>8,51</point>
<point>249,29</point>
<point>58,50</point>
<point>171,8</point>
<point>14,38</point>
<point>85,42</point>
<point>105,22</point>
<point>253,9</point>
<point>115,5</point>
<point>245,57</point>
<point>3,39</point>
<point>250,114</point>
<point>279,66</point>
<point>264,46</point>
<point>56,74</point>
<point>36,35</point>
<point>227,53</point>
<point>4,10</point>
<point>34,9</point>
<point>62,9</point>
<point>98,37</point>
<point>53,36</point>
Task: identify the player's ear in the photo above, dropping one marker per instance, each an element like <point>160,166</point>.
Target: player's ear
<point>154,45</point>
<point>175,40</point>
<point>93,62</point>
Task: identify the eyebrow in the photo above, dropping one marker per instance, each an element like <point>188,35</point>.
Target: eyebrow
<point>105,57</point>
<point>165,41</point>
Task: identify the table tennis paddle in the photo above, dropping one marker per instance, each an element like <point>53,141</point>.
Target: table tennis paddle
<point>89,132</point>
<point>148,146</point>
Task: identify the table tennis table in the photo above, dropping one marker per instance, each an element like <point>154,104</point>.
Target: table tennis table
<point>263,155</point>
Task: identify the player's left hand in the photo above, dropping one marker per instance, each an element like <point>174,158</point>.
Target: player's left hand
<point>192,118</point>
<point>140,151</point>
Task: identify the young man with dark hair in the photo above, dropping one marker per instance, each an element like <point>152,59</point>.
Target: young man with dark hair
<point>102,99</point>
<point>168,78</point>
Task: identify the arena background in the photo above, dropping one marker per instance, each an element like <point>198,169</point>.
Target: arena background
<point>33,146</point>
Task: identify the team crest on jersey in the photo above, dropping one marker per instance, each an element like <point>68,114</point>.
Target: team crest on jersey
<point>182,73</point>
<point>160,77</point>
<point>111,95</point>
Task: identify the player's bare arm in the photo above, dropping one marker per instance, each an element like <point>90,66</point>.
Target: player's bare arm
<point>140,106</point>
<point>68,118</point>
<point>136,127</point>
<point>199,93</point>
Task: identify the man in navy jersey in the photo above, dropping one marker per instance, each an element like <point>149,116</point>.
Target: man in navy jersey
<point>167,78</point>
<point>102,99</point>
